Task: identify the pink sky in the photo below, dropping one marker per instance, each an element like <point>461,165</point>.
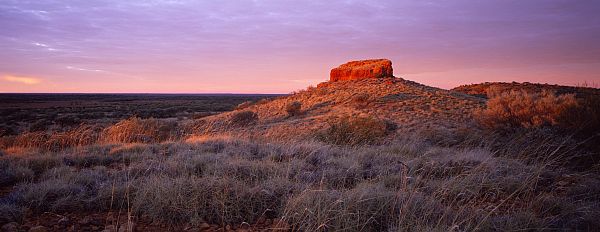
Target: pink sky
<point>277,46</point>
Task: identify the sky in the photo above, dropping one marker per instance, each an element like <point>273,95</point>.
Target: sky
<point>279,46</point>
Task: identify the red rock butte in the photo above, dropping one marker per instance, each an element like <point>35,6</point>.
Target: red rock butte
<point>362,69</point>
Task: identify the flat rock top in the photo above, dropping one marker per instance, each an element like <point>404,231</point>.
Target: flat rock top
<point>362,69</point>
<point>366,64</point>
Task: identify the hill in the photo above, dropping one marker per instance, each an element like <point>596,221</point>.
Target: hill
<point>407,104</point>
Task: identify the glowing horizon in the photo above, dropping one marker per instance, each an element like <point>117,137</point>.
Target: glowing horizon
<point>269,46</point>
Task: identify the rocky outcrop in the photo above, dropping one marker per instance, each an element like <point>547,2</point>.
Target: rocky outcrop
<point>362,69</point>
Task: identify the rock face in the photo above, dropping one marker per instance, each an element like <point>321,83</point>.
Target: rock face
<point>362,69</point>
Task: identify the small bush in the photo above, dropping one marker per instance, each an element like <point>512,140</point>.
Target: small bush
<point>361,100</point>
<point>31,139</point>
<point>585,117</point>
<point>136,130</point>
<point>194,126</point>
<point>293,108</point>
<point>524,109</point>
<point>356,131</point>
<point>243,118</point>
<point>64,190</point>
<point>364,208</point>
<point>79,136</point>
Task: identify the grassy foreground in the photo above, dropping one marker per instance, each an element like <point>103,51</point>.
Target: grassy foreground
<point>416,183</point>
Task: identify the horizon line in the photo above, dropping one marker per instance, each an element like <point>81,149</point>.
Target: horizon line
<point>170,93</point>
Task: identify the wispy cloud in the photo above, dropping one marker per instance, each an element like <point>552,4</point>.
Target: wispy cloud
<point>84,69</point>
<point>40,44</point>
<point>23,80</point>
<point>102,71</point>
<point>46,46</point>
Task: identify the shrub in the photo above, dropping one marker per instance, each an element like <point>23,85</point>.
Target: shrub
<point>293,108</point>
<point>364,208</point>
<point>135,130</point>
<point>524,109</point>
<point>194,126</point>
<point>585,117</point>
<point>356,131</point>
<point>361,100</point>
<point>31,139</point>
<point>64,190</point>
<point>243,118</point>
<point>215,200</point>
<point>79,136</point>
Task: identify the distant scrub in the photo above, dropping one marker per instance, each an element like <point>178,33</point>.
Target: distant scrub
<point>243,118</point>
<point>132,130</point>
<point>356,131</point>
<point>244,105</point>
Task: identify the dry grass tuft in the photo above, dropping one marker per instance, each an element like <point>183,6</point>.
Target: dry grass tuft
<point>293,108</point>
<point>361,100</point>
<point>405,185</point>
<point>356,131</point>
<point>243,118</point>
<point>136,130</point>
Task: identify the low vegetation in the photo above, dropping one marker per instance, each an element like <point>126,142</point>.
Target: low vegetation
<point>293,108</point>
<point>308,186</point>
<point>136,130</point>
<point>525,109</point>
<point>360,173</point>
<point>361,100</point>
<point>59,112</point>
<point>243,118</point>
<point>356,131</point>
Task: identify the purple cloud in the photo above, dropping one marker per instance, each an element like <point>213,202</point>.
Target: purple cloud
<point>268,45</point>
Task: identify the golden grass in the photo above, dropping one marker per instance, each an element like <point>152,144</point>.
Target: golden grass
<point>525,109</point>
